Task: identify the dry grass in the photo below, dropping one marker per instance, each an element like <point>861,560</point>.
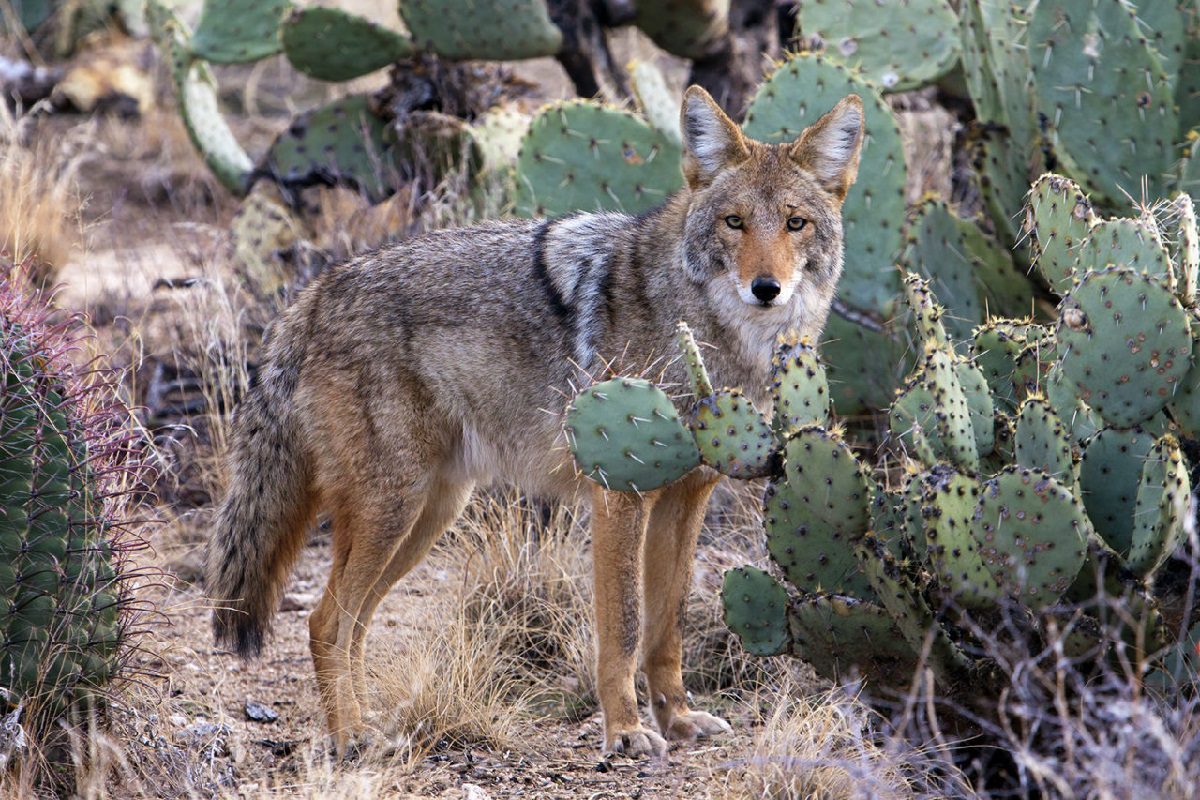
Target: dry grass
<point>821,746</point>
<point>40,205</point>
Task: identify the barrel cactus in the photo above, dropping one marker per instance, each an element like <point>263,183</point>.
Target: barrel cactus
<point>1038,474</point>
<point>69,468</point>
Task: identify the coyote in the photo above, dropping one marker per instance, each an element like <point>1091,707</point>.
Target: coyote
<point>402,379</point>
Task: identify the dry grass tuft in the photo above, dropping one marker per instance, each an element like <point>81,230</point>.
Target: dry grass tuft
<point>820,745</point>
<point>40,203</point>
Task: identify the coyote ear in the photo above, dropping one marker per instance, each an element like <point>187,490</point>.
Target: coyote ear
<point>712,141</point>
<point>829,148</point>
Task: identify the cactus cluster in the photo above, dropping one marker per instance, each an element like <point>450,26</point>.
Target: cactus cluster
<point>68,463</point>
<point>1036,463</point>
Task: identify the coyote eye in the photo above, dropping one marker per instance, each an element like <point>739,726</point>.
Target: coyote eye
<point>734,221</point>
<point>796,223</point>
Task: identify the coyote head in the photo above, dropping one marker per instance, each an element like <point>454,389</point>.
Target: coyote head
<point>767,216</point>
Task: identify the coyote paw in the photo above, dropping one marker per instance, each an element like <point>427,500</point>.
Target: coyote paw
<point>636,742</point>
<point>691,725</point>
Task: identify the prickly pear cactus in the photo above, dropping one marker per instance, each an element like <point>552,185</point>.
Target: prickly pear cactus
<point>898,46</point>
<point>331,45</point>
<point>238,31</point>
<point>582,156</point>
<point>66,457</point>
<point>468,29</point>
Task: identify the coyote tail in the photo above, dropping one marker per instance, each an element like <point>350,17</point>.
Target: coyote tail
<point>260,526</point>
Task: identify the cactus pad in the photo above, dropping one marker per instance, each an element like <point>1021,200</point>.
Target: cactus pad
<point>1131,243</point>
<point>795,96</point>
<point>1042,442</point>
<point>1104,93</point>
<point>340,143</point>
<point>465,29</point>
<point>979,404</point>
<point>1109,475</point>
<point>898,46</point>
<point>969,272</point>
<point>756,609</point>
<point>994,348</point>
<point>686,28</point>
<point>815,514</point>
<point>903,600</point>
<point>864,364</point>
<point>1126,343</point>
<point>582,156</point>
<point>1058,218</point>
<point>843,637</point>
<point>732,436</point>
<point>1032,534</point>
<point>932,415</point>
<point>238,31</point>
<point>697,374</point>
<point>1162,506</point>
<point>798,387</point>
<point>948,502</point>
<point>626,435</point>
<point>332,45</point>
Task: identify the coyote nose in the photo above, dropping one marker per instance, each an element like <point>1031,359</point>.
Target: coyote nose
<point>765,289</point>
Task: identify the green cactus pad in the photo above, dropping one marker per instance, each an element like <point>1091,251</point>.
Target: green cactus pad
<point>1161,509</point>
<point>798,387</point>
<point>948,502</point>
<point>994,348</point>
<point>1131,243</point>
<point>795,96</point>
<point>815,514</point>
<point>898,46</point>
<point>1042,442</point>
<point>1185,405</point>
<point>927,312</point>
<point>465,29</point>
<point>1003,167</point>
<point>912,506</point>
<point>979,404</point>
<point>697,374</point>
<point>970,273</point>
<point>932,415</point>
<point>238,31</point>
<point>1062,395</point>
<point>1187,244</point>
<point>732,435</point>
<point>686,28</point>
<point>1104,93</point>
<point>29,13</point>
<point>340,143</point>
<point>1109,475</point>
<point>843,637</point>
<point>756,607</point>
<point>661,106</point>
<point>904,602</point>
<point>332,45</point>
<point>864,365</point>
<point>582,156</point>
<point>1058,218</point>
<point>200,109</point>
<point>1003,453</point>
<point>1032,533</point>
<point>626,435</point>
<point>889,523</point>
<point>1126,343</point>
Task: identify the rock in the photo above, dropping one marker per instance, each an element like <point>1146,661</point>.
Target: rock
<point>257,712</point>
<point>472,792</point>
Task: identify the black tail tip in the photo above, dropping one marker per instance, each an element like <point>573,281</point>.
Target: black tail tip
<point>237,631</point>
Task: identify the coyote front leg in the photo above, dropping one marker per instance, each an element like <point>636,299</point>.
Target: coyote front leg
<point>670,551</point>
<point>619,523</point>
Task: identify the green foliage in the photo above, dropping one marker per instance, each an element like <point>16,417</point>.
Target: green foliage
<point>686,28</point>
<point>506,31</point>
<point>238,31</point>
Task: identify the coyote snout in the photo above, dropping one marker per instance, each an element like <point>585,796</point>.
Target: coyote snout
<point>384,401</point>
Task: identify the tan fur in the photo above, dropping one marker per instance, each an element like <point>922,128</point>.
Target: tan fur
<point>401,380</point>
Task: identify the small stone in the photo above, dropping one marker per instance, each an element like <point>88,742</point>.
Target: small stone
<point>257,712</point>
